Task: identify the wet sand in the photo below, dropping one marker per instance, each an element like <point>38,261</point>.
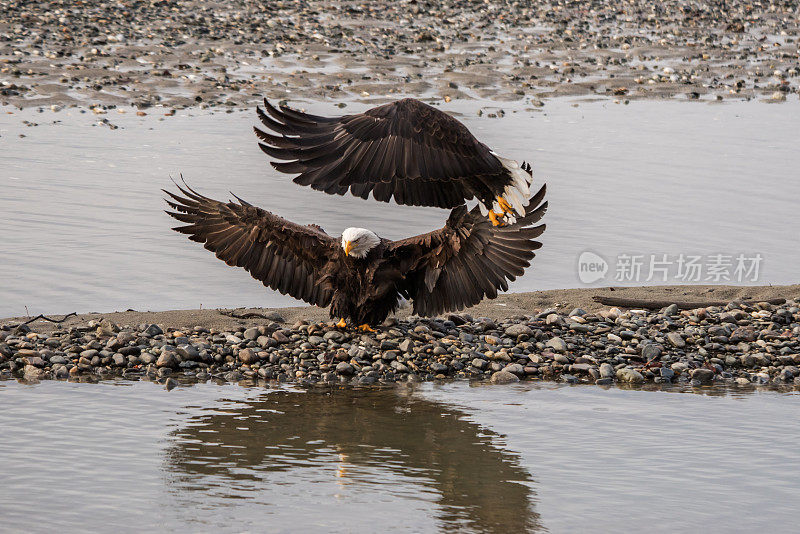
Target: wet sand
<point>192,53</point>
<point>505,306</point>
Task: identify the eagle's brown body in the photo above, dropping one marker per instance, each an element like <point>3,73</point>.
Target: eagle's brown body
<point>445,270</point>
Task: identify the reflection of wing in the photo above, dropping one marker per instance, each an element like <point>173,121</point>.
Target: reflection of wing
<point>283,255</point>
<point>481,486</point>
<point>467,260</point>
<point>406,150</point>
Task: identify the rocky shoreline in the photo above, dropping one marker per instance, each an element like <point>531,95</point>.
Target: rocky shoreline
<point>171,54</point>
<point>742,344</point>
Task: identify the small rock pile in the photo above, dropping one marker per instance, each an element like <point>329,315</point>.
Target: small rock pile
<point>742,344</point>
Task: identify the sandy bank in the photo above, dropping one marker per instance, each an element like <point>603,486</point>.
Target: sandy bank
<point>504,306</point>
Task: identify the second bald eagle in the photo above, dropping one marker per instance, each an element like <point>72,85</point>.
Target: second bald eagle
<point>407,151</point>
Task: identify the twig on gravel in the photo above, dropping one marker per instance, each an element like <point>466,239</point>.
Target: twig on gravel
<point>40,316</point>
<point>658,304</point>
<point>245,315</point>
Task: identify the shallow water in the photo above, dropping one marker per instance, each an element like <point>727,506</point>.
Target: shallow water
<point>83,228</point>
<point>131,456</point>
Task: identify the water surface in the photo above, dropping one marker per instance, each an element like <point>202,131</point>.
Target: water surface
<point>83,227</point>
<point>131,456</point>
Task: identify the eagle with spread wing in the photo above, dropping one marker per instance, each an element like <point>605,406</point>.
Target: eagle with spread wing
<point>361,276</point>
<point>406,150</point>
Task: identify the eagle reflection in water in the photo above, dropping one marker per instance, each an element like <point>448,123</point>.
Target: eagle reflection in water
<point>476,485</point>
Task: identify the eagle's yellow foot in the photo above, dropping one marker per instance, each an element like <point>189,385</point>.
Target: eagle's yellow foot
<point>494,217</point>
<point>365,328</point>
<point>504,205</point>
<point>341,324</point>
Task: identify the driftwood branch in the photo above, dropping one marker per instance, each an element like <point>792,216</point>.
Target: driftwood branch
<point>40,316</point>
<point>245,315</point>
<point>658,304</point>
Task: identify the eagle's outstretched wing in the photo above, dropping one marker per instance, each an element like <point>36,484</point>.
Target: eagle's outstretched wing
<point>406,150</point>
<point>283,255</point>
<point>467,260</point>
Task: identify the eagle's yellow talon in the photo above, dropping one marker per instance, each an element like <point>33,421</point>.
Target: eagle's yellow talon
<point>341,324</point>
<point>495,220</point>
<point>365,328</point>
<point>504,205</point>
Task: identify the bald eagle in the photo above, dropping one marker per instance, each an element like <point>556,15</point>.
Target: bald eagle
<point>361,276</point>
<point>407,151</point>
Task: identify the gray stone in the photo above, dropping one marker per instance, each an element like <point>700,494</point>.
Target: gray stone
<point>667,373</point>
<point>515,368</point>
<point>560,358</point>
<point>248,356</point>
<point>632,376</point>
<point>504,377</point>
<point>32,372</point>
<point>399,367</point>
<point>679,367</point>
<point>153,330</point>
<point>280,337</point>
<point>554,318</point>
<point>518,329</point>
<point>251,333</point>
<point>672,309</point>
<point>703,375</point>
<point>188,352</point>
<point>119,360</point>
<point>607,370</point>
<point>333,335</point>
<point>651,351</point>
<point>406,345</point>
<point>438,367</point>
<point>344,368</point>
<point>123,338</point>
<point>167,359</point>
<point>557,344</point>
<point>479,363</point>
<point>676,339</point>
<point>570,379</point>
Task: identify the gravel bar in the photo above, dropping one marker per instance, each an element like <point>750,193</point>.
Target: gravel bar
<point>743,344</point>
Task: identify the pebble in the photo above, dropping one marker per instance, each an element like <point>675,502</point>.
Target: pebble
<point>557,344</point>
<point>504,377</point>
<point>630,375</point>
<point>676,339</point>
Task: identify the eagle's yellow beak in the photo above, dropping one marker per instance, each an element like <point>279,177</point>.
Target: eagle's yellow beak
<point>348,246</point>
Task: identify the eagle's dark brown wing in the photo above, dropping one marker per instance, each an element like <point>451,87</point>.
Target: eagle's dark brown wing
<point>467,260</point>
<point>283,255</point>
<point>406,150</point>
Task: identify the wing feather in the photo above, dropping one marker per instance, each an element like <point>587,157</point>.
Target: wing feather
<point>429,157</point>
<point>284,256</point>
<point>467,260</point>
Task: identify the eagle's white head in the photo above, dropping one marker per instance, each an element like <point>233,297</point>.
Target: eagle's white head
<point>357,242</point>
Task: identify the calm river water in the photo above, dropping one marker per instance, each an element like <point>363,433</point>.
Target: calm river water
<point>83,227</point>
<point>133,457</point>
